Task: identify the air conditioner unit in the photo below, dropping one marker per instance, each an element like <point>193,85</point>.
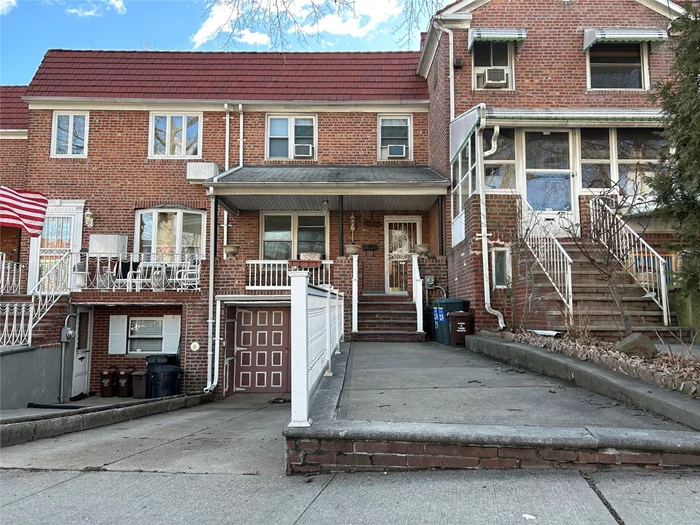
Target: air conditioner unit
<point>396,151</point>
<point>201,171</point>
<point>303,150</point>
<point>495,77</point>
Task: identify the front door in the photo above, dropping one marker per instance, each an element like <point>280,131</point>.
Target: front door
<point>81,357</point>
<point>548,171</point>
<point>401,236</point>
<point>262,351</point>
<point>62,233</point>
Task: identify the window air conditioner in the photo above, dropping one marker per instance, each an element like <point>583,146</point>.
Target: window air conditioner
<point>201,171</point>
<point>303,150</point>
<point>495,77</point>
<point>396,151</point>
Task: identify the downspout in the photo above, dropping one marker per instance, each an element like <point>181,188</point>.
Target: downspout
<point>449,33</point>
<point>210,319</point>
<point>482,216</point>
<point>226,166</point>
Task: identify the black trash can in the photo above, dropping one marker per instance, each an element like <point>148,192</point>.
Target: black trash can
<point>164,380</point>
<point>461,325</point>
<point>139,380</point>
<point>442,307</point>
<point>429,323</point>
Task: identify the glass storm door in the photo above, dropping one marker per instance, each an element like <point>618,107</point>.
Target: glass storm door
<point>548,174</point>
<point>401,237</point>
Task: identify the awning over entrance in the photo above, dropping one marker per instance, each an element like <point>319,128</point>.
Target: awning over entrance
<point>496,35</point>
<point>617,35</point>
<point>578,117</point>
<point>304,188</point>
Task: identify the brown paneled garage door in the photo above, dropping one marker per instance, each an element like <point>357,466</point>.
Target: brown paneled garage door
<point>262,349</point>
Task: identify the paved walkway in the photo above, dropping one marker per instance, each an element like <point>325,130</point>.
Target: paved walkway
<point>430,382</point>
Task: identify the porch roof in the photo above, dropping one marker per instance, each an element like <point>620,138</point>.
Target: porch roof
<point>329,181</point>
<point>580,117</point>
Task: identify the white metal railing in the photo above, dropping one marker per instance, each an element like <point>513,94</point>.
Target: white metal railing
<point>274,275</point>
<point>53,285</point>
<point>550,255</point>
<point>317,330</point>
<point>355,290</point>
<point>636,255</point>
<point>10,275</point>
<point>417,292</point>
<point>17,324</point>
<point>136,271</point>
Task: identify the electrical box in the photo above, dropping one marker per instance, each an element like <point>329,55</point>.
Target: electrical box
<point>429,282</point>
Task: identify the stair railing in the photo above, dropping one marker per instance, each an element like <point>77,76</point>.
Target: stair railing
<point>53,285</point>
<point>636,255</point>
<point>417,292</point>
<point>549,254</point>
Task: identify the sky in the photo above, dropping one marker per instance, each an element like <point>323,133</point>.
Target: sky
<point>30,27</point>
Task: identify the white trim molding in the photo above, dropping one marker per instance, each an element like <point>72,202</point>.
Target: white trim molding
<point>13,134</point>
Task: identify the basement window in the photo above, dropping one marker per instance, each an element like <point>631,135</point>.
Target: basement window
<point>500,267</point>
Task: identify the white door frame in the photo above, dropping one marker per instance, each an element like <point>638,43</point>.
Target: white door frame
<point>418,220</point>
<point>56,208</point>
<point>87,354</point>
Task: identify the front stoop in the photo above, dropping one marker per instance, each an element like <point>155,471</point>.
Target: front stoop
<point>336,455</point>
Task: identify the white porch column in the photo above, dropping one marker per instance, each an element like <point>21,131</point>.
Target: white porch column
<point>417,293</point>
<point>329,337</point>
<point>300,345</point>
<point>355,290</point>
<point>339,320</point>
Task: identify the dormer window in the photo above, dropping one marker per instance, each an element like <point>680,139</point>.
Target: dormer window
<point>493,55</point>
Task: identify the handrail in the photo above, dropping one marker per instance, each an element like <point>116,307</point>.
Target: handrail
<point>417,292</point>
<point>549,254</point>
<point>10,275</point>
<point>635,254</point>
<point>50,288</point>
<point>274,275</point>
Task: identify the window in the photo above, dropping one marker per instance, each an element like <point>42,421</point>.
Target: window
<point>617,66</point>
<point>291,137</point>
<point>170,231</point>
<point>176,135</point>
<point>69,134</point>
<point>144,335</point>
<point>492,65</point>
<point>395,138</point>
<point>464,185</point>
<point>499,168</point>
<point>595,158</point>
<point>293,236</point>
<point>500,267</point>
<point>548,170</point>
<point>638,151</point>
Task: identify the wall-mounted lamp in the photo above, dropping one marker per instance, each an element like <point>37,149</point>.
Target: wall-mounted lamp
<point>325,206</point>
<point>88,218</point>
<point>352,227</point>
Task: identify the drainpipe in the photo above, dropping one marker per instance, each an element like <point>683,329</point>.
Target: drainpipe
<point>226,166</point>
<point>210,318</point>
<point>484,228</point>
<point>442,28</point>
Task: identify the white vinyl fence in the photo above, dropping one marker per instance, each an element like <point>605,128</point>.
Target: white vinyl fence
<point>317,330</point>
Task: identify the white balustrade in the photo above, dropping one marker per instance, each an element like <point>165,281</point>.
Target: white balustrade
<point>549,254</point>
<point>316,332</point>
<point>10,275</point>
<point>417,292</point>
<point>274,275</point>
<point>17,324</point>
<point>636,255</point>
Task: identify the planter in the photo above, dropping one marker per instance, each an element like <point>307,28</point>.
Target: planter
<point>302,263</point>
<point>231,250</point>
<point>422,249</point>
<point>352,249</point>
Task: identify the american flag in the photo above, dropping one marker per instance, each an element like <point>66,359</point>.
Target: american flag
<point>23,209</point>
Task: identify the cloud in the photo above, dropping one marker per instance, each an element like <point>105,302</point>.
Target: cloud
<point>219,21</point>
<point>91,9</point>
<point>82,12</point>
<point>367,16</point>
<point>252,38</point>
<point>117,5</point>
<point>6,6</point>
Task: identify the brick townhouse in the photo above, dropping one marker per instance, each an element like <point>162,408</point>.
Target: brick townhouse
<point>185,186</point>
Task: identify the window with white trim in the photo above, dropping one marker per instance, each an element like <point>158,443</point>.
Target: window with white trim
<point>291,137</point>
<point>165,231</point>
<point>288,236</point>
<point>500,267</point>
<point>69,134</point>
<point>499,168</point>
<point>464,185</point>
<point>395,137</point>
<point>618,66</point>
<point>140,335</point>
<point>492,65</point>
<point>175,135</point>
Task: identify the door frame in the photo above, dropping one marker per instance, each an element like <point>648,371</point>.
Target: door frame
<point>56,208</point>
<point>230,362</point>
<point>91,320</point>
<point>418,220</point>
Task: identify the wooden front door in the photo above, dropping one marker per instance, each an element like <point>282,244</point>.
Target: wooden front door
<point>262,349</point>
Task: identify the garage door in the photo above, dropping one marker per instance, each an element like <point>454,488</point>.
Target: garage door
<point>262,351</point>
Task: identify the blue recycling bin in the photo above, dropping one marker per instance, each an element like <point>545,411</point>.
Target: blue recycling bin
<point>442,307</point>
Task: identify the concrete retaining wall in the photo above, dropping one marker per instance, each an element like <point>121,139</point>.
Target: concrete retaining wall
<point>29,375</point>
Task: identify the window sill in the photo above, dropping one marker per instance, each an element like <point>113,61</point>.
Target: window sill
<point>290,161</point>
<point>497,90</point>
<point>168,157</point>
<point>143,354</point>
<point>623,90</point>
<point>68,156</point>
<point>501,191</point>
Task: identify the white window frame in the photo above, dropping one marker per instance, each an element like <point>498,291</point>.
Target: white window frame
<point>295,232</point>
<point>178,241</point>
<point>290,135</point>
<point>54,131</point>
<point>129,336</point>
<point>509,269</point>
<point>486,162</point>
<point>510,86</point>
<point>646,82</point>
<point>389,116</point>
<point>168,114</point>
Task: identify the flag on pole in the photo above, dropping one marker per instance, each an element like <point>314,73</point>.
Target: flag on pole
<point>23,209</point>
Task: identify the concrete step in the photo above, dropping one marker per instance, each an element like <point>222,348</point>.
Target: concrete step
<point>385,306</point>
<point>391,298</point>
<point>388,336</point>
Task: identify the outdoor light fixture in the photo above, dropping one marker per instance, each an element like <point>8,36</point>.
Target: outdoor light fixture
<point>89,220</point>
<point>325,206</point>
<point>352,228</point>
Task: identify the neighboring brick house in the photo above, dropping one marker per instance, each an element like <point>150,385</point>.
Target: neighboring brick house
<point>284,159</point>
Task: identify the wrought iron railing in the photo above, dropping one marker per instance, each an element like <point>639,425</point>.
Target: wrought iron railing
<point>10,276</point>
<point>17,324</point>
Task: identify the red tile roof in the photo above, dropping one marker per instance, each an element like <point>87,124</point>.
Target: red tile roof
<point>230,76</point>
<point>13,110</point>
